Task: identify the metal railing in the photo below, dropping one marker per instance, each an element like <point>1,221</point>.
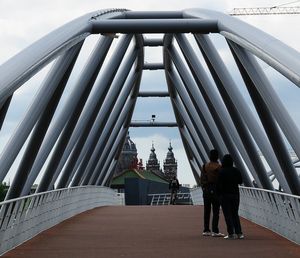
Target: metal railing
<point>196,195</point>
<point>164,198</point>
<point>276,211</point>
<point>25,217</point>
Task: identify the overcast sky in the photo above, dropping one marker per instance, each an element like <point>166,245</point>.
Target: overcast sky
<point>23,22</point>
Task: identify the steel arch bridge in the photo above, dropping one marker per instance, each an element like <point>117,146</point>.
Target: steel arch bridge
<point>85,140</point>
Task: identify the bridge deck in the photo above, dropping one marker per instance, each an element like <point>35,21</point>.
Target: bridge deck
<point>145,231</point>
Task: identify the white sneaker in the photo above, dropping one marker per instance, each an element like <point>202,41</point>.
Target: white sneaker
<point>230,237</point>
<point>240,236</point>
<point>213,234</point>
<point>206,233</point>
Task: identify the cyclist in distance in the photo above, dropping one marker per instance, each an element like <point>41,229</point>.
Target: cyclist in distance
<point>174,187</point>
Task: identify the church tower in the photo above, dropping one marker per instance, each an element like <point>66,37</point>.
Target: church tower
<point>170,164</point>
<point>128,158</point>
<point>153,164</point>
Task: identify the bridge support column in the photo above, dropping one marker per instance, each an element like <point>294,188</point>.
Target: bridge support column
<point>221,126</point>
<point>199,143</point>
<point>84,84</point>
<point>184,121</point>
<point>126,115</point>
<point>202,121</point>
<point>116,140</point>
<point>71,124</point>
<point>209,95</point>
<point>61,71</point>
<point>96,115</point>
<point>3,109</point>
<point>195,164</point>
<point>254,80</point>
<point>229,90</point>
<point>101,139</point>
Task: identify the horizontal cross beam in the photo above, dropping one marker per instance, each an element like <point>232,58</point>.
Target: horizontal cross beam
<point>146,94</point>
<point>155,26</point>
<point>153,124</point>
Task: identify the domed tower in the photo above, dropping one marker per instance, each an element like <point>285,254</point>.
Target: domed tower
<point>170,164</point>
<point>128,158</point>
<point>153,164</point>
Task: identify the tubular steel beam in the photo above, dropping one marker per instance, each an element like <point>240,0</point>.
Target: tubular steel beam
<point>184,122</point>
<point>153,66</point>
<point>97,105</point>
<point>106,174</point>
<point>97,102</point>
<point>153,124</point>
<point>116,137</point>
<point>70,126</point>
<point>25,64</point>
<point>197,136</point>
<point>286,123</point>
<point>196,172</point>
<point>155,26</point>
<point>92,155</point>
<point>146,94</point>
<point>193,115</point>
<point>184,117</point>
<point>153,42</point>
<point>87,170</point>
<point>202,149</point>
<point>226,84</point>
<point>281,57</point>
<point>266,116</point>
<point>99,171</point>
<point>239,124</point>
<point>197,109</point>
<point>84,84</point>
<point>110,172</point>
<point>4,109</point>
<point>152,15</point>
<point>23,130</point>
<point>222,129</point>
<point>62,70</point>
<point>84,141</point>
<point>186,135</point>
<point>201,156</point>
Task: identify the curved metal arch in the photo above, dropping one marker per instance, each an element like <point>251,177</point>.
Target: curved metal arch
<point>281,57</point>
<point>14,73</point>
<point>58,42</point>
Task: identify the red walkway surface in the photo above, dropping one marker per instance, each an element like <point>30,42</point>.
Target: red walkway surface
<point>145,231</point>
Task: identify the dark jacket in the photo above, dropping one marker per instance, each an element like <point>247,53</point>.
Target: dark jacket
<point>174,184</point>
<point>229,180</point>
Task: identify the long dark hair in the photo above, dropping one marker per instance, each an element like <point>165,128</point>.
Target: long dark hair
<point>227,161</point>
<point>213,155</point>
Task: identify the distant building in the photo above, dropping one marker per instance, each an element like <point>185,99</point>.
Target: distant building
<point>170,164</point>
<point>118,181</point>
<point>128,158</point>
<point>153,164</point>
<point>129,161</point>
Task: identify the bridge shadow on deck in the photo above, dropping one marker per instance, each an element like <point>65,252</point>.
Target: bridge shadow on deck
<point>150,231</point>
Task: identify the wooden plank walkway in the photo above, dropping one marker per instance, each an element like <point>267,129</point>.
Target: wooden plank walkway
<point>145,231</point>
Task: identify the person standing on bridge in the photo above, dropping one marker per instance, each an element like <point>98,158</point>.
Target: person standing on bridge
<point>174,187</point>
<point>209,179</point>
<point>228,187</point>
